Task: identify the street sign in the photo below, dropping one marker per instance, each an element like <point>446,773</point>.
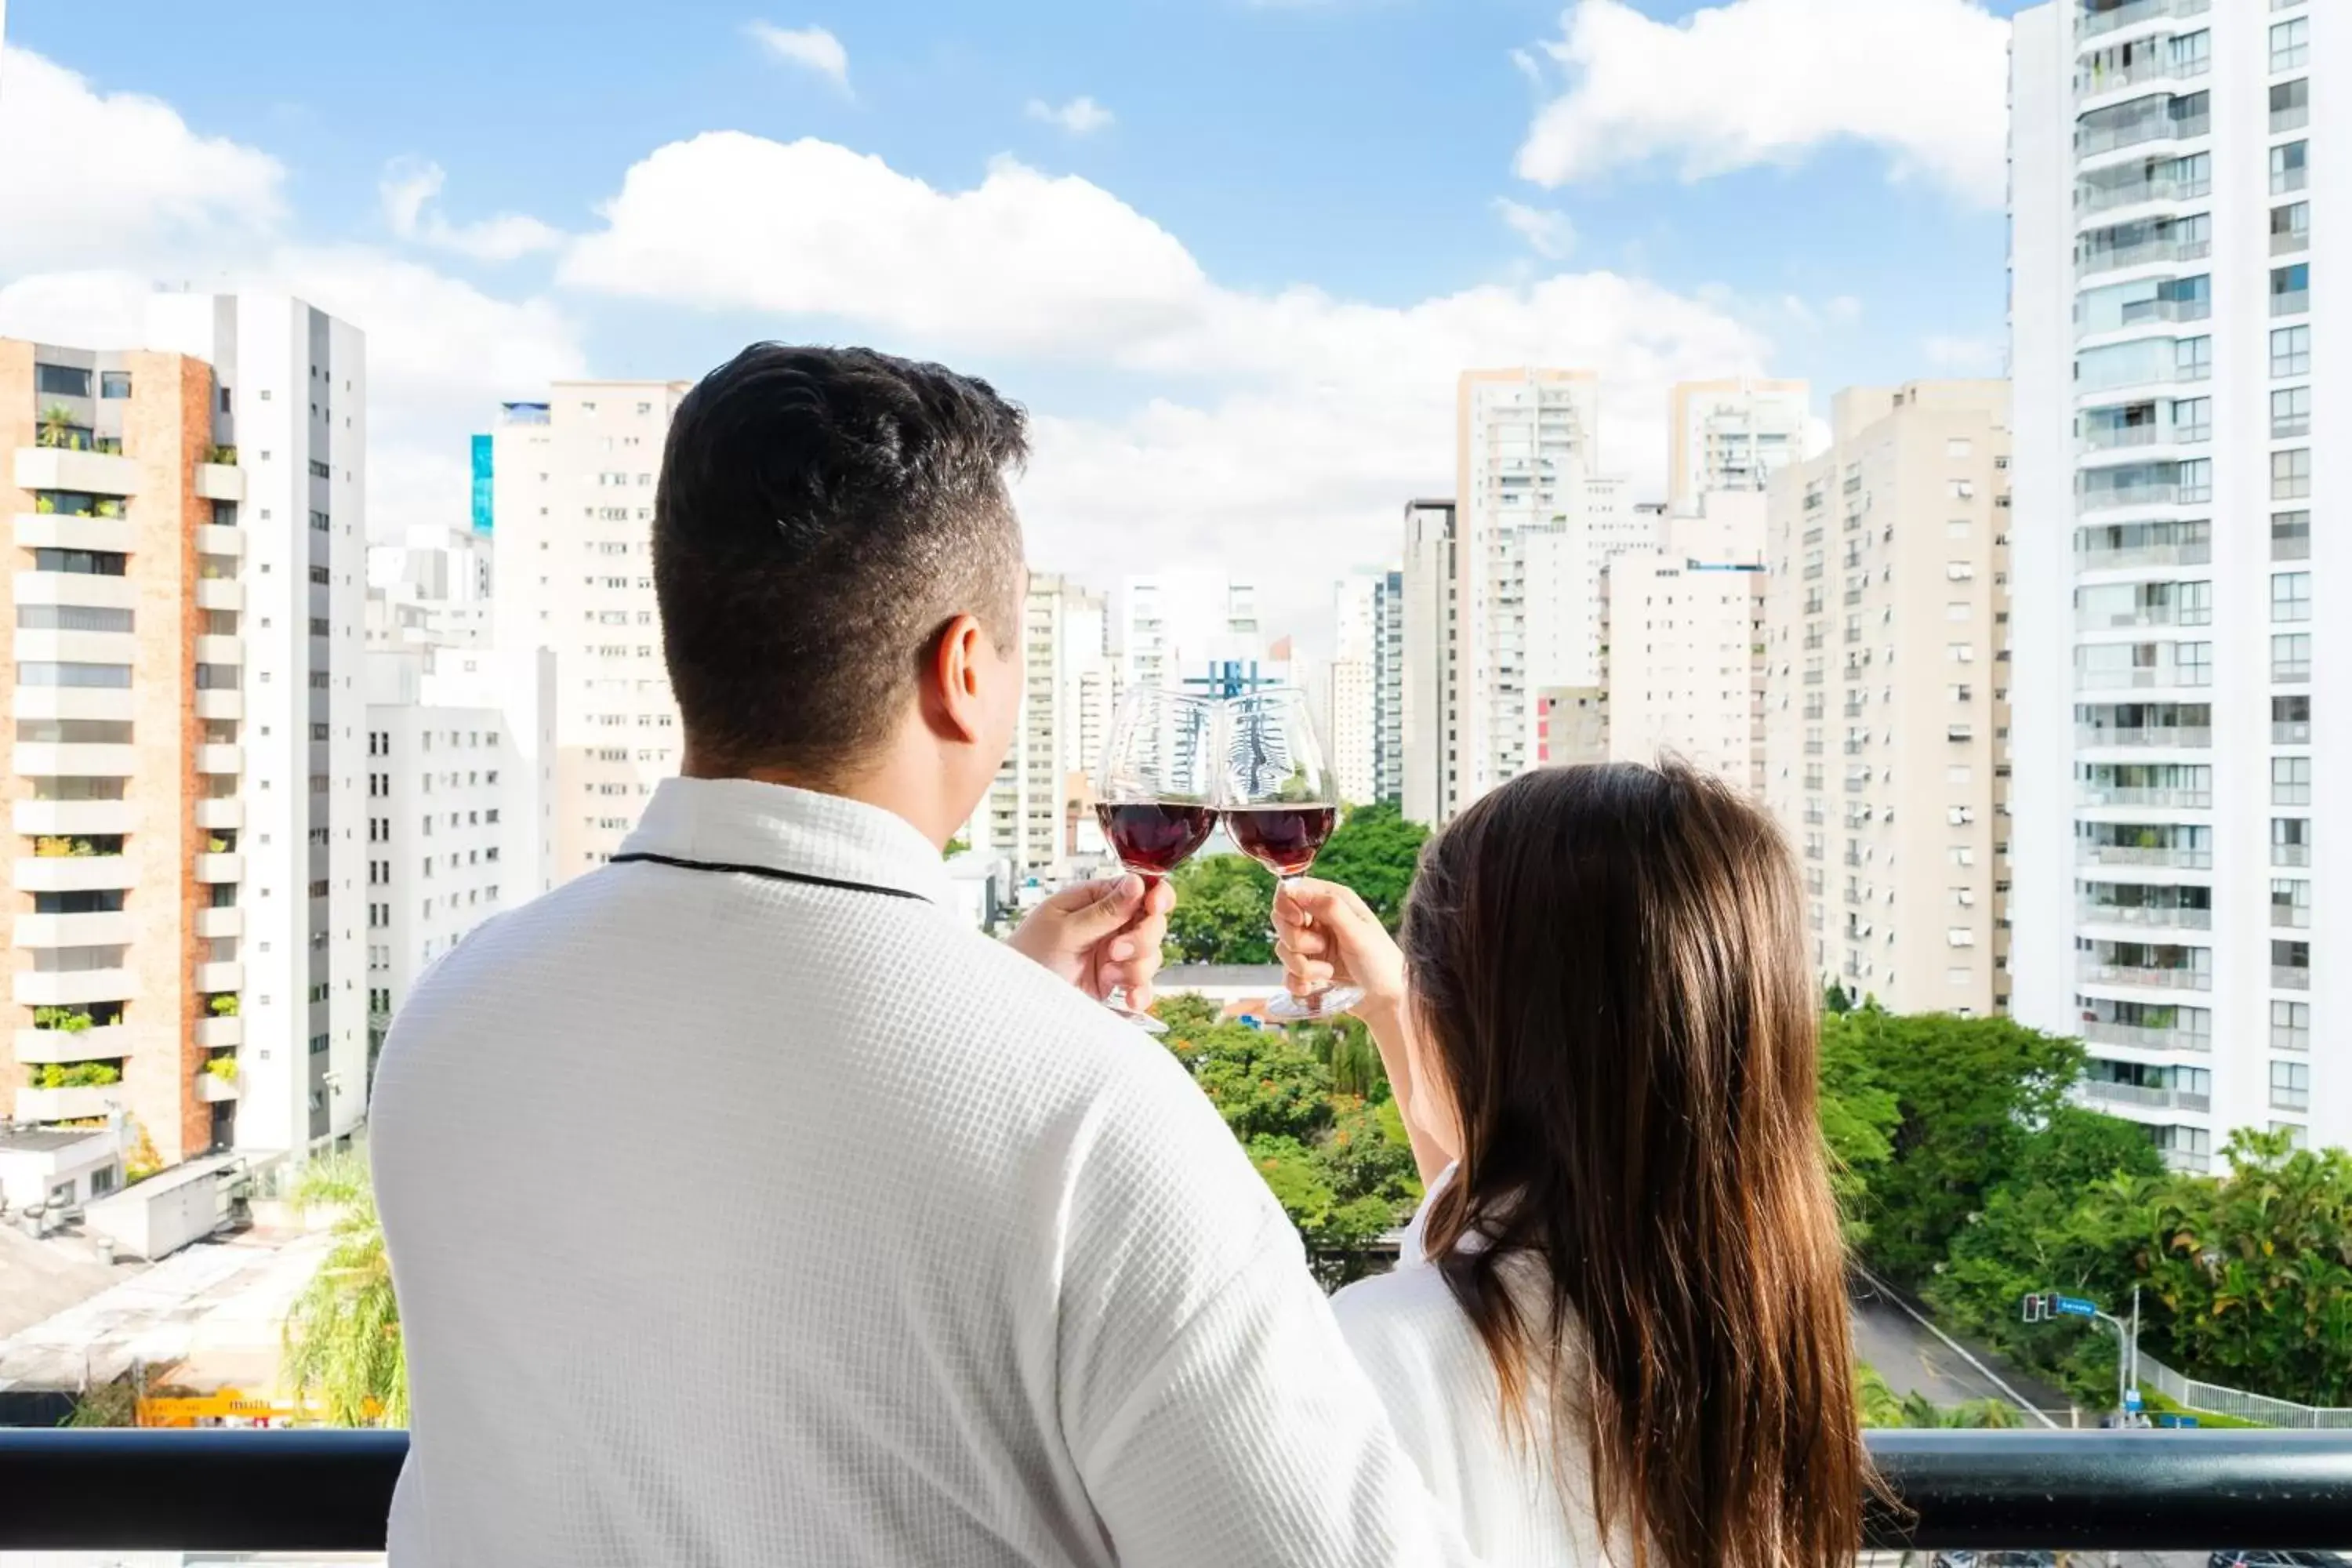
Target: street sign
<point>2131,1399</point>
<point>2075,1307</point>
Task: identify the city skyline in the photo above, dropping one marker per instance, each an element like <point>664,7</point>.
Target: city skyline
<point>1195,357</point>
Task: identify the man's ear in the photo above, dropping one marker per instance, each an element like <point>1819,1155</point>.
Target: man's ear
<point>958,666</point>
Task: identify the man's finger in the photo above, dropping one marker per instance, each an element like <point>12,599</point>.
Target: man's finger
<point>1092,911</point>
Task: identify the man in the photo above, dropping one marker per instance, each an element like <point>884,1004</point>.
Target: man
<point>748,1209</point>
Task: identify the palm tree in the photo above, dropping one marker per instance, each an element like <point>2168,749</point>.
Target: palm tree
<point>57,425</point>
<point>343,1336</point>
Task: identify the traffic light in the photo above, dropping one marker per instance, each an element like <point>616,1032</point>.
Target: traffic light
<point>2037,1308</point>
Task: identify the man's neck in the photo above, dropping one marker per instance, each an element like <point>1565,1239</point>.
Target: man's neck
<point>903,790</point>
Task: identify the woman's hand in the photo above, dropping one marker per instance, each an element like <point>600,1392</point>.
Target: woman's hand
<point>1326,935</point>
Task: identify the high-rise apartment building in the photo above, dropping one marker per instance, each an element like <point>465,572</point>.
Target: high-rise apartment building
<point>1181,628</point>
<point>1388,687</point>
<point>1887,693</point>
<point>2169,182</point>
<point>1428,751</point>
<point>431,590</point>
<point>1733,435</point>
<point>573,480</point>
<point>184,787</point>
<point>1535,526</point>
<point>1683,670</point>
<point>1030,814</point>
<point>460,799</point>
<point>1352,687</point>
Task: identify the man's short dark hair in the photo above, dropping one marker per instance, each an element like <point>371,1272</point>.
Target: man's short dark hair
<point>822,514</point>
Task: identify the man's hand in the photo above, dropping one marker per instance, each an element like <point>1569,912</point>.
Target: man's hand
<point>1101,936</point>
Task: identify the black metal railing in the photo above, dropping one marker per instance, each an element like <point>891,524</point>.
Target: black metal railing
<point>330,1491</point>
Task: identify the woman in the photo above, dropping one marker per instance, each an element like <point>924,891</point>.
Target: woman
<point>1620,1326</point>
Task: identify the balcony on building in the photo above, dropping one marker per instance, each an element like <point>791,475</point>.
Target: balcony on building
<point>75,865</point>
<point>2162,904</point>
<point>2290,965</point>
<point>220,867</point>
<point>220,975</point>
<point>2164,965</point>
<point>217,539</point>
<point>75,472</point>
<point>2111,547</point>
<point>76,1103</point>
<point>42,760</point>
<point>213,1088</point>
<point>2144,725</point>
<point>47,528</point>
<point>221,481</point>
<point>92,929</point>
<point>227,813</point>
<point>218,758</point>
<point>220,1031</point>
<point>220,920</point>
<point>2144,1037</point>
<point>72,987</point>
<point>2096,18</point>
<point>112,1042</point>
<point>2145,1097</point>
<point>2165,845</point>
<point>65,818</point>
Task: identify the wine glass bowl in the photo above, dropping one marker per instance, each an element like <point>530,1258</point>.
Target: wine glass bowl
<point>1156,791</point>
<point>1280,803</point>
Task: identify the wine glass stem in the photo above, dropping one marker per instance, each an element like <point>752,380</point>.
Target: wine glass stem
<point>1282,880</point>
<point>1117,995</point>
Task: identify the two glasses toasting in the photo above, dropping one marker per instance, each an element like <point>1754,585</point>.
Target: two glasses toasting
<point>1176,763</point>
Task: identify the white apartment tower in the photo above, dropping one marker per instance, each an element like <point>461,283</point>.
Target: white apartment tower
<point>1387,688</point>
<point>461,778</point>
<point>1684,672</point>
<point>573,495</point>
<point>1029,816</point>
<point>1179,627</point>
<point>1887,693</point>
<point>1535,526</point>
<point>1352,697</point>
<point>2170,181</point>
<point>186,782</point>
<point>1734,435</point>
<point>1428,753</point>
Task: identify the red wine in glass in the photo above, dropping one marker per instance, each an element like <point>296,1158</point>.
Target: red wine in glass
<point>1282,838</point>
<point>1153,838</point>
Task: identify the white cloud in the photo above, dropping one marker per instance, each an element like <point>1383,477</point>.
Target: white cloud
<point>112,179</point>
<point>1081,116</point>
<point>168,208</point>
<point>1022,261</point>
<point>1756,82</point>
<point>408,191</point>
<point>812,48</point>
<point>1548,234</point>
<point>1290,423</point>
<point>1843,310</point>
<point>1973,355</point>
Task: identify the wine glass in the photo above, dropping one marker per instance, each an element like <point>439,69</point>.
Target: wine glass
<point>1281,803</point>
<point>1155,793</point>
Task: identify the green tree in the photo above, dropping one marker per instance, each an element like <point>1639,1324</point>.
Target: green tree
<point>1262,1083</point>
<point>1968,1092</point>
<point>1375,851</point>
<point>1858,1116</point>
<point>341,1337</point>
<point>1224,913</point>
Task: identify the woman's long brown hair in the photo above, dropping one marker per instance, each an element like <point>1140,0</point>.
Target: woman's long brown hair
<point>1609,964</point>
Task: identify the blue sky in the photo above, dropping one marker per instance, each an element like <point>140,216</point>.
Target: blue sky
<point>1276,211</point>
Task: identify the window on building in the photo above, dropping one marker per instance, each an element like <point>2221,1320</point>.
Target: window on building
<point>2290,656</point>
<point>2290,1026</point>
<point>113,384</point>
<point>2291,596</point>
<point>2289,1086</point>
<point>2290,44</point>
<point>2290,413</point>
<point>2290,781</point>
<point>2290,167</point>
<point>2290,350</point>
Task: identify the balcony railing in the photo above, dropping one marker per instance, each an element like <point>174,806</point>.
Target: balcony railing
<point>2164,979</point>
<point>2196,737</point>
<point>2141,854</point>
<point>2287,977</point>
<point>2185,799</point>
<point>2147,1097</point>
<point>2145,1039</point>
<point>2097,23</point>
<point>2176,917</point>
<point>326,1491</point>
<point>2192,554</point>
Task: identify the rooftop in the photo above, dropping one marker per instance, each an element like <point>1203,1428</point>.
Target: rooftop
<point>48,1139</point>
